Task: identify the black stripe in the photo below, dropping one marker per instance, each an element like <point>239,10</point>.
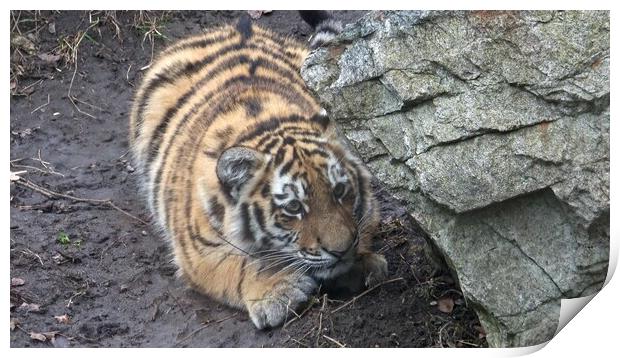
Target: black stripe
<point>265,191</point>
<point>279,156</point>
<point>323,121</point>
<point>271,144</point>
<point>253,67</point>
<point>212,154</point>
<point>314,152</point>
<point>268,63</point>
<point>287,166</point>
<point>260,216</point>
<point>288,130</point>
<point>278,55</point>
<point>205,242</point>
<point>253,107</point>
<point>307,140</point>
<point>267,126</point>
<point>224,134</point>
<point>216,209</point>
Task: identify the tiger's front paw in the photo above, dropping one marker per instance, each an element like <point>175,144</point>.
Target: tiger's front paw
<point>374,268</point>
<point>284,298</point>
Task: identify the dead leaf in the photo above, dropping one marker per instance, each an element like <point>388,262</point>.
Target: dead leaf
<point>43,336</point>
<point>481,332</point>
<point>30,307</point>
<point>23,43</point>
<point>445,304</point>
<point>51,27</point>
<point>16,281</point>
<point>59,259</point>
<point>38,336</point>
<point>64,319</point>
<point>14,323</point>
<point>15,175</point>
<point>49,58</point>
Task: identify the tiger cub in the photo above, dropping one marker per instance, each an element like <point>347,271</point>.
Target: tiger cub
<point>244,172</point>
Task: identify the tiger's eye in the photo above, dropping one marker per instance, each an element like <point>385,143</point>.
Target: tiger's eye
<point>293,207</point>
<point>339,190</point>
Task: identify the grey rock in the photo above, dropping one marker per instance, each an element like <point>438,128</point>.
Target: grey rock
<point>493,128</point>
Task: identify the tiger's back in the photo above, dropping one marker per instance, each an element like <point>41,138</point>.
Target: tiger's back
<point>221,123</point>
<point>194,91</point>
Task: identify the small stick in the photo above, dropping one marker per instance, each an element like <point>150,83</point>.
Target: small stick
<point>74,296</point>
<point>33,168</point>
<point>468,343</point>
<point>298,342</point>
<point>30,85</point>
<point>43,105</point>
<point>318,333</point>
<point>204,325</point>
<point>335,341</point>
<point>298,316</point>
<point>411,267</point>
<point>28,251</point>
<point>52,194</point>
<point>176,301</point>
<point>366,292</point>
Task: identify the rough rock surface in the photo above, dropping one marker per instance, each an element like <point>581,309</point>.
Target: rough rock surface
<point>493,128</point>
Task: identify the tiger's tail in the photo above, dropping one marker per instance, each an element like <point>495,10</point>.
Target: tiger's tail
<point>325,27</point>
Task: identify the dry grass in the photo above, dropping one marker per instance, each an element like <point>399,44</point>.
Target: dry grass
<point>27,26</point>
<point>150,25</point>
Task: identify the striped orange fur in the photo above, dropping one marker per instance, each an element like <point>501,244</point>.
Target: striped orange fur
<point>245,174</point>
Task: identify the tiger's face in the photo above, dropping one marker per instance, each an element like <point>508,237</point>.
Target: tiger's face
<point>300,207</point>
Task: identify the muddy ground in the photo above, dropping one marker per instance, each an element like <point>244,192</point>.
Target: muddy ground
<point>86,273</point>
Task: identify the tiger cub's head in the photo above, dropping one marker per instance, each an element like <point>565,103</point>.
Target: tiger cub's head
<point>305,203</point>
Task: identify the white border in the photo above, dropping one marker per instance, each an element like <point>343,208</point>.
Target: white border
<point>592,331</point>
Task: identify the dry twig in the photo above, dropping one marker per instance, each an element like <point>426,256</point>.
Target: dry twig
<point>55,195</point>
<point>43,105</point>
<point>334,341</point>
<point>366,292</point>
<point>204,325</point>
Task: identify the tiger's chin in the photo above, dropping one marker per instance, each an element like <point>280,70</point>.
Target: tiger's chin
<point>334,270</point>
<point>352,276</point>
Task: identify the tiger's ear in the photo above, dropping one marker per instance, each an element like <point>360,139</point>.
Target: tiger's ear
<point>236,166</point>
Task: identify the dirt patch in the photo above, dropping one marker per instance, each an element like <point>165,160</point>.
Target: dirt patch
<point>79,246</point>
